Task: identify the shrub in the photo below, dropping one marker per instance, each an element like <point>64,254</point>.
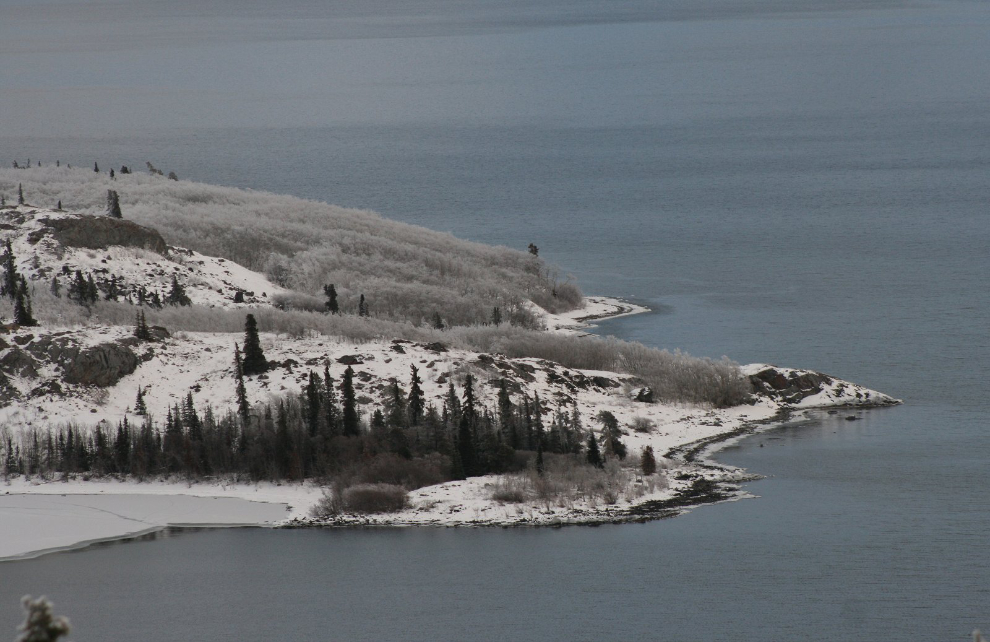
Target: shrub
<point>509,490</point>
<point>375,498</point>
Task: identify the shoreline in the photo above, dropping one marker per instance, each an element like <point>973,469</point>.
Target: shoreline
<point>687,478</point>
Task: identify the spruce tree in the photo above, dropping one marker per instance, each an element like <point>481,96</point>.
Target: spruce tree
<point>331,293</point>
<point>11,278</point>
<point>20,194</point>
<point>59,206</point>
<point>496,316</point>
<point>113,204</point>
<point>78,290</point>
<point>140,406</point>
<point>243,409</point>
<point>416,398</point>
<point>177,296</point>
<point>611,435</point>
<point>648,462</point>
<point>594,454</point>
<point>362,307</point>
<point>254,358</point>
<point>96,168</point>
<point>350,420</point>
<point>92,292</point>
<point>540,468</point>
<point>437,321</point>
<point>22,306</point>
<point>141,330</point>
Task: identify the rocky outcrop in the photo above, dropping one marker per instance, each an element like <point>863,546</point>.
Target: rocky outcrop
<point>100,232</point>
<point>103,365</point>
<point>18,363</point>
<point>791,387</point>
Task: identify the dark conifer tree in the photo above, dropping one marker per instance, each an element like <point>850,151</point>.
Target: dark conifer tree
<point>11,278</point>
<point>254,359</point>
<point>56,288</point>
<point>437,321</point>
<point>331,293</point>
<point>22,306</point>
<point>78,290</point>
<point>496,316</point>
<point>331,410</point>
<point>112,289</point>
<point>140,406</point>
<point>594,454</point>
<point>350,420</point>
<point>92,292</point>
<point>535,251</point>
<point>96,167</point>
<point>362,307</point>
<point>177,296</point>
<point>141,329</point>
<point>243,409</point>
<point>59,206</point>
<point>313,398</point>
<point>648,462</point>
<point>20,194</point>
<point>506,416</point>
<point>611,435</point>
<point>396,404</point>
<point>416,398</point>
<point>540,469</point>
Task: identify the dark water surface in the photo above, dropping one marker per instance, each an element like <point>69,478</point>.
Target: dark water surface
<point>803,183</point>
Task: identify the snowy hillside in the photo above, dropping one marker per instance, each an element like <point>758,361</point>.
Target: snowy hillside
<point>55,244</point>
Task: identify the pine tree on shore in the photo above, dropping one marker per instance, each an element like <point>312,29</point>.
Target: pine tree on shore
<point>254,358</point>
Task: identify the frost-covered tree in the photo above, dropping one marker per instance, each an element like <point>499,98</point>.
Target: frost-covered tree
<point>40,624</point>
<point>254,358</point>
<point>113,204</point>
<point>172,176</point>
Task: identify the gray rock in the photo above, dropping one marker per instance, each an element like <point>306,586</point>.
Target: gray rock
<point>103,365</point>
<point>100,232</point>
<point>19,363</point>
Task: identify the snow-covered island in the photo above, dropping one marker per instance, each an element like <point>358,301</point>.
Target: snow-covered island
<point>150,359</point>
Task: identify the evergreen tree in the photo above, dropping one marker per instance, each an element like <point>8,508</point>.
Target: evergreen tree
<point>141,330</point>
<point>437,322</point>
<point>416,398</point>
<point>540,469</point>
<point>331,411</point>
<point>11,278</point>
<point>78,290</point>
<point>112,292</point>
<point>535,251</point>
<point>594,455</point>
<point>177,296</point>
<point>92,292</point>
<point>243,409</point>
<point>59,206</point>
<point>22,306</point>
<point>496,316</point>
<point>331,293</point>
<point>254,359</point>
<point>506,416</point>
<point>350,419</point>
<point>362,307</point>
<point>20,194</point>
<point>611,435</point>
<point>648,462</point>
<point>56,288</point>
<point>96,168</point>
<point>40,625</point>
<point>313,398</point>
<point>113,204</point>
<point>140,406</point>
<point>397,407</point>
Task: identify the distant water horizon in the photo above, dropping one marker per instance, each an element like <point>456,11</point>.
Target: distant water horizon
<point>797,183</point>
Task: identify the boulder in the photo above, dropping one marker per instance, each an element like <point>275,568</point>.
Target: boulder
<point>350,360</point>
<point>103,365</point>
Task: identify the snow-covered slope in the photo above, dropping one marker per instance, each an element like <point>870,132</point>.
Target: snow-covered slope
<point>54,243</point>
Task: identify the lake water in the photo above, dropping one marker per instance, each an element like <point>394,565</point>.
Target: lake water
<point>803,183</point>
